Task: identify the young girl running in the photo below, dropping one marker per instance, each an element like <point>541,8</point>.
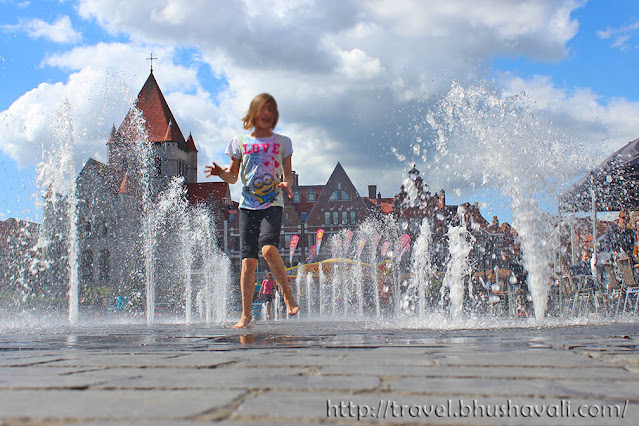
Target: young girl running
<point>266,289</point>
<point>264,157</point>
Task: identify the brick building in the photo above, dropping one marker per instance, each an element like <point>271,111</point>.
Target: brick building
<point>110,197</point>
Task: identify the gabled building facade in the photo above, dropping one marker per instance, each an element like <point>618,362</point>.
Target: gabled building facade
<point>333,207</point>
<point>109,229</point>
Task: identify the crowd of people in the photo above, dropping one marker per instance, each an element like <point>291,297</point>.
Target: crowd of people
<point>619,242</point>
<point>621,237</point>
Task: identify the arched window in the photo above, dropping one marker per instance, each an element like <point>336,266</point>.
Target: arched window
<point>339,195</point>
<point>297,196</point>
<point>311,196</point>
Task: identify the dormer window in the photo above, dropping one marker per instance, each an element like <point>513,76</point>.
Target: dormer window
<point>311,196</point>
<point>297,196</point>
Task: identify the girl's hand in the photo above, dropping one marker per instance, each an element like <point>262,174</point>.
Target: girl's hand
<point>287,187</point>
<point>213,170</point>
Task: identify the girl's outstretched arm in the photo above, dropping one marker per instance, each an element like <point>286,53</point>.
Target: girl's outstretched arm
<point>228,175</point>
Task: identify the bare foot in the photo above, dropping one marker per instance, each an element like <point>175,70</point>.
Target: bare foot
<point>293,309</point>
<point>291,305</point>
<point>244,322</point>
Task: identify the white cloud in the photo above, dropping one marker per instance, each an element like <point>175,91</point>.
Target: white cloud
<point>60,31</point>
<point>97,99</point>
<point>357,64</point>
<point>108,56</point>
<point>600,128</point>
<point>620,35</point>
<point>352,78</point>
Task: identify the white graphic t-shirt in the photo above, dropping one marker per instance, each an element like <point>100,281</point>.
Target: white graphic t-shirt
<point>261,170</point>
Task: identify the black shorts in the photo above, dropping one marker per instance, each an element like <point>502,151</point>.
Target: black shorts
<point>268,297</point>
<point>259,228</point>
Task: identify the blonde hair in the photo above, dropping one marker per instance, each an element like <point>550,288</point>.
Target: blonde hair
<point>248,121</point>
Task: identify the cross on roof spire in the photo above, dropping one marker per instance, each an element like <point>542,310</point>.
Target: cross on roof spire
<point>151,59</point>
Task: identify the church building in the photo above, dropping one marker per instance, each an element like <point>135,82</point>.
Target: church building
<point>110,195</point>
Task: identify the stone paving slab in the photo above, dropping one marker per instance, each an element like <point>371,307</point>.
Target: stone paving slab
<point>533,388</point>
<point>286,372</point>
<point>68,405</point>
<point>497,372</point>
<point>230,378</point>
<point>38,377</point>
<point>149,360</point>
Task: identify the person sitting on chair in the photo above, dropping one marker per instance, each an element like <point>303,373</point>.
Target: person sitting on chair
<point>583,266</point>
<point>619,238</point>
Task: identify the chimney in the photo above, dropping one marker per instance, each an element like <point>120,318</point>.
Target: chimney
<point>372,190</point>
<point>495,221</point>
<point>441,202</point>
<point>296,179</point>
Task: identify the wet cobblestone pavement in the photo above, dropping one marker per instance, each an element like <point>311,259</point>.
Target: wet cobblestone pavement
<point>302,372</point>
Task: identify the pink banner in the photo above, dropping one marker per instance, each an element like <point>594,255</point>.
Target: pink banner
<point>312,252</point>
<point>385,247</point>
<point>402,245</point>
<point>360,247</point>
<point>295,239</point>
<point>318,240</point>
<point>337,245</point>
<point>347,240</point>
<point>375,242</point>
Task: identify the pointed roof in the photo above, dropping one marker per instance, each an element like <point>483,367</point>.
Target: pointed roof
<point>172,133</point>
<point>158,118</point>
<point>126,187</point>
<point>339,172</point>
<point>114,136</point>
<point>190,143</point>
<point>338,175</point>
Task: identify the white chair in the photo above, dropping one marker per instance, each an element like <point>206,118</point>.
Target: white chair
<point>567,294</point>
<point>629,283</point>
<point>614,289</point>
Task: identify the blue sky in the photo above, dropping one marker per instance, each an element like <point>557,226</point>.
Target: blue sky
<point>344,74</point>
